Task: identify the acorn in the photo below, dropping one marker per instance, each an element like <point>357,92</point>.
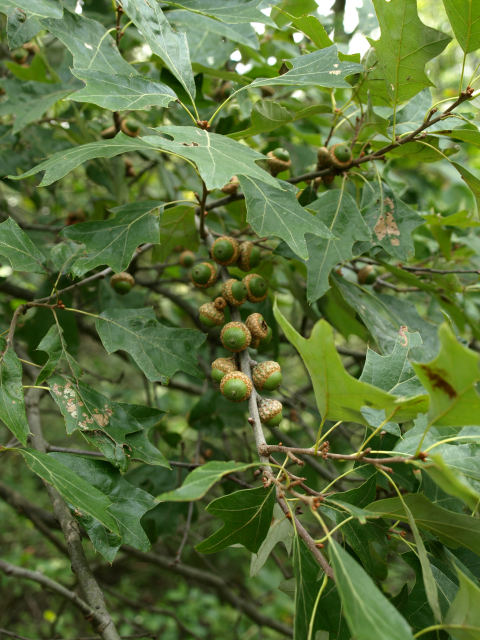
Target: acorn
<point>204,275</point>
<point>267,376</point>
<point>231,187</point>
<point>279,160</point>
<point>210,316</point>
<point>249,256</point>
<point>130,127</point>
<point>129,169</point>
<point>234,292</point>
<point>255,343</point>
<point>109,133</point>
<point>367,275</point>
<point>222,366</point>
<point>328,179</point>
<point>324,158</point>
<point>236,386</point>
<point>187,259</point>
<point>225,250</point>
<point>122,282</point>
<point>341,156</point>
<point>220,303</point>
<point>257,325</point>
<point>235,336</point>
<point>256,286</point>
<point>19,55</point>
<point>270,412</point>
<point>268,338</point>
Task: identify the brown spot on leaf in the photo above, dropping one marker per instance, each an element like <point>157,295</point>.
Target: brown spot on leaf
<point>386,225</point>
<point>438,381</point>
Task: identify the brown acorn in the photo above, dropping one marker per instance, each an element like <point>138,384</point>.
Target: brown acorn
<point>267,375</point>
<point>210,316</point>
<point>222,366</point>
<point>187,259</point>
<point>220,303</point>
<point>257,325</point>
<point>225,250</point>
<point>204,275</point>
<point>324,158</point>
<point>231,187</point>
<point>235,336</point>
<point>236,386</point>
<point>129,168</point>
<point>256,286</point>
<point>367,275</point>
<point>130,127</point>
<point>341,155</point>
<point>279,160</point>
<point>122,282</point>
<point>234,292</point>
<point>270,412</point>
<point>249,257</point>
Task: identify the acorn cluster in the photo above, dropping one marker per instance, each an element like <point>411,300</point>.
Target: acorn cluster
<point>338,156</point>
<point>237,336</point>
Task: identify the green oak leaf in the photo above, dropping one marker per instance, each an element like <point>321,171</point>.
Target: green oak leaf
<point>412,115</point>
<point>19,29</point>
<point>114,241</point>
<point>201,479</point>
<point>65,161</point>
<point>229,11</point>
<point>372,85</point>
<point>29,100</point>
<point>472,181</point>
<point>140,447</point>
<point>281,530</point>
<point>464,16</point>
<point>277,212</point>
<point>464,613</point>
<point>339,395</point>
<point>364,605</point>
<point>373,123</point>
<point>12,402</point>
<point>117,93</point>
<point>339,213</point>
<point>19,250</point>
<point>217,157</point>
<point>177,226</point>
<point>444,472</point>
<point>246,515</point>
<point>462,219</point>
<point>390,220</point>
<point>451,380</point>
<point>158,350</point>
<point>54,344</point>
<point>74,488</point>
<point>33,8</point>
<point>65,254</point>
<point>266,116</point>
<point>92,47</point>
<point>405,47</point>
<point>128,504</point>
<point>394,373</point>
<point>169,45</point>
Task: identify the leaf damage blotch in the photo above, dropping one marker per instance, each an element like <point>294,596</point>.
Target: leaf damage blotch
<point>438,380</point>
<point>386,224</point>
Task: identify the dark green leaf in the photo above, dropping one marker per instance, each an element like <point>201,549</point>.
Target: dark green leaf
<point>266,116</point>
<point>64,255</point>
<point>464,614</point>
<point>246,514</point>
<point>177,226</point>
<point>230,11</point>
<point>54,344</point>
<point>19,250</point>
<point>281,530</point>
<point>12,402</point>
<point>21,30</point>
<point>158,350</point>
<point>464,16</point>
<point>35,8</point>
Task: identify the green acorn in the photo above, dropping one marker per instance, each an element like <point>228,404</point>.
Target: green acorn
<point>267,376</point>
<point>222,366</point>
<point>236,386</point>
<point>257,325</point>
<point>279,160</point>
<point>204,275</point>
<point>225,250</point>
<point>122,282</point>
<point>19,55</point>
<point>367,275</point>
<point>231,187</point>
<point>249,256</point>
<point>270,412</point>
<point>187,259</point>
<point>341,155</point>
<point>210,316</point>
<point>235,336</point>
<point>257,287</point>
<point>324,158</point>
<point>234,292</point>
<point>268,338</point>
<point>130,127</point>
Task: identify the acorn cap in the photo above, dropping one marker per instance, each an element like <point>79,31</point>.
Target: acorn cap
<point>234,292</point>
<point>257,325</point>
<point>324,158</point>
<point>341,155</point>
<point>130,127</point>
<point>257,287</point>
<point>367,275</point>
<point>187,259</point>
<point>231,187</point>
<point>204,275</point>
<point>328,179</point>
<point>210,316</point>
<point>220,303</point>
<point>277,165</point>
<point>225,250</point>
<point>249,257</point>
<point>236,386</point>
<point>122,282</point>
<point>270,412</point>
<point>267,375</point>
<point>235,336</point>
<point>222,366</point>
